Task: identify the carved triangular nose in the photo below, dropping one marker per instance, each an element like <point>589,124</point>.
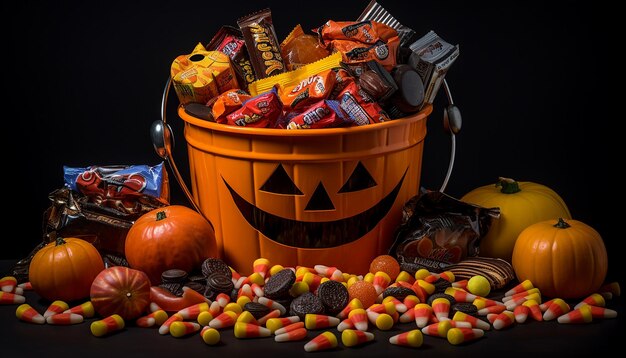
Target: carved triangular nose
<point>320,200</point>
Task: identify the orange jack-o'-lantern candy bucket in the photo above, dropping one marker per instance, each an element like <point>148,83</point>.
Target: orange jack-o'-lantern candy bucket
<point>329,196</point>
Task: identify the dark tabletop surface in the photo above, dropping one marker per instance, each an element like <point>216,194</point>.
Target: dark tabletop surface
<point>20,339</point>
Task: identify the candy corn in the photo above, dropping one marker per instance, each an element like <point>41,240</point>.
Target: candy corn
<point>234,307</point>
<point>413,338</point>
<point>462,284</point>
<point>448,276</point>
<point>408,316</point>
<point>210,336</point>
<point>204,318</point>
<point>579,315</point>
<point>439,329</point>
<point>503,320</point>
<point>557,308</point>
<point>405,277</point>
<point>359,317</point>
<point>153,319</point>
<point>272,304</point>
<point>410,301</point>
<point>601,312</point>
<point>26,286</point>
<point>7,298</point>
<point>165,327</point>
<point>26,313</point>
<point>247,317</point>
<point>224,320</point>
<point>345,324</point>
<point>193,311</point>
<point>273,314</point>
<point>276,323</point>
<point>422,314</point>
<point>180,329</point>
<point>248,330</point>
<point>64,319</point>
<point>261,266</point>
<point>441,308</point>
<point>222,299</point>
<point>331,272</point>
<point>382,321</point>
<point>319,321</point>
<point>595,299</point>
<point>460,295</point>
<point>257,290</point>
<point>85,309</point>
<point>323,341</point>
<point>293,335</point>
<point>428,287</point>
<point>351,337</point>
<point>399,306</point>
<point>107,325</point>
<point>521,287</point>
<point>491,309</point>
<point>476,323</point>
<point>461,335</point>
<point>55,308</point>
<point>289,328</point>
<point>381,281</point>
<point>421,274</point>
<point>521,294</point>
<point>354,303</point>
<point>512,303</point>
<point>521,312</point>
<point>535,311</point>
<point>153,307</point>
<point>8,283</point>
<point>481,302</point>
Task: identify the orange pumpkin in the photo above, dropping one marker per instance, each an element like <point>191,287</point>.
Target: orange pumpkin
<point>64,269</point>
<point>171,237</point>
<point>564,258</point>
<point>120,290</point>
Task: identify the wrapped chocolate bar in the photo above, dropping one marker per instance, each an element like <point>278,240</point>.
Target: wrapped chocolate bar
<point>323,114</point>
<point>309,90</point>
<point>432,58</point>
<point>438,231</point>
<point>359,107</point>
<point>262,44</point>
<point>229,41</point>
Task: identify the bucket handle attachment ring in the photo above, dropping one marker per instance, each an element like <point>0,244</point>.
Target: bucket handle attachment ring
<point>163,140</point>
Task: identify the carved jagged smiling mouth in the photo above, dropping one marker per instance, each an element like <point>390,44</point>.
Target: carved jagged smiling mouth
<point>309,234</point>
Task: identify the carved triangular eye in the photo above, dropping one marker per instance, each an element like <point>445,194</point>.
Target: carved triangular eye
<point>319,200</point>
<point>280,183</point>
<point>359,179</point>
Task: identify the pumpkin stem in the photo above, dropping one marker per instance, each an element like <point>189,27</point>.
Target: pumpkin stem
<point>59,241</point>
<point>508,185</point>
<point>561,224</point>
<point>160,215</point>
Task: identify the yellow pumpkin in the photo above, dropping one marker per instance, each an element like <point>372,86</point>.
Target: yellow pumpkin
<point>521,204</point>
<point>562,258</point>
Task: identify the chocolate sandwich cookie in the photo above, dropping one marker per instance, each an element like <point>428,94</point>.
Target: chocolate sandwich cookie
<point>256,309</point>
<point>434,296</point>
<point>173,287</point>
<point>278,285</point>
<point>196,277</point>
<point>441,285</point>
<point>196,286</point>
<point>333,295</point>
<point>464,307</point>
<point>217,283</point>
<point>212,265</point>
<point>304,304</point>
<point>174,276</point>
<point>399,292</point>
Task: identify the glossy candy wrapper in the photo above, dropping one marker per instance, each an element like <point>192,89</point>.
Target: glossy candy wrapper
<point>229,40</point>
<point>438,230</point>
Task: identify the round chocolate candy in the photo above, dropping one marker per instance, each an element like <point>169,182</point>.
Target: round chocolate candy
<point>217,283</point>
<point>306,303</point>
<point>410,94</point>
<point>334,296</point>
<point>212,265</point>
<point>278,285</point>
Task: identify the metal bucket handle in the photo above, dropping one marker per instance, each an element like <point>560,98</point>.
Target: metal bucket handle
<point>163,140</point>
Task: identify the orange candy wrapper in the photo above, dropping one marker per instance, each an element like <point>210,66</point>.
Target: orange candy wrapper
<point>308,91</point>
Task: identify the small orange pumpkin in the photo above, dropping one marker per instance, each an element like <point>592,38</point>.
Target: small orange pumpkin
<point>120,290</point>
<point>564,258</point>
<point>170,237</point>
<point>64,269</point>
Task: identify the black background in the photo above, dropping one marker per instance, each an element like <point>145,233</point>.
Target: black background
<point>85,82</point>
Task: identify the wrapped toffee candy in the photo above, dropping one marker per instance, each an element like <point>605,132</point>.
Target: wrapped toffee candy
<point>262,44</point>
<point>299,49</point>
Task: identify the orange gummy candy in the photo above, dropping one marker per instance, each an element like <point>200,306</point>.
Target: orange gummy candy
<point>387,264</point>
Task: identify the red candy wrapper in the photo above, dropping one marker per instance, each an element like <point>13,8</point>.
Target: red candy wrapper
<point>359,107</point>
<point>261,111</point>
<point>323,114</point>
